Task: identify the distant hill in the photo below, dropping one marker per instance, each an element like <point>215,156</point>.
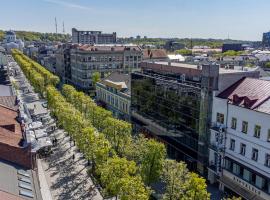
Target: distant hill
<point>36,36</point>
<point>213,43</point>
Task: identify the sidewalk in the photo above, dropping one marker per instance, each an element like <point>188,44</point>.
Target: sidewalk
<point>68,178</point>
<point>45,191</point>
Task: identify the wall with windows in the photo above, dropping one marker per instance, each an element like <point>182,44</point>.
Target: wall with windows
<point>115,100</point>
<point>247,139</point>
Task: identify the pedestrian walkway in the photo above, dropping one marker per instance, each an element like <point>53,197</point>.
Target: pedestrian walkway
<point>45,191</point>
<point>68,178</point>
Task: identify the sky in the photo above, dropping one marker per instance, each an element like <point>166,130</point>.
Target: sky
<point>220,19</point>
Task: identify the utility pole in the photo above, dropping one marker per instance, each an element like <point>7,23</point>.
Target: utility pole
<point>55,25</point>
<point>63,27</point>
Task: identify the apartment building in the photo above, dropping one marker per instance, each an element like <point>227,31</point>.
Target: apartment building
<point>113,92</point>
<point>93,37</point>
<point>239,153</point>
<point>105,59</point>
<point>173,103</point>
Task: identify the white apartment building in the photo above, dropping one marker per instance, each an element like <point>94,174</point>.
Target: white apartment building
<point>239,153</point>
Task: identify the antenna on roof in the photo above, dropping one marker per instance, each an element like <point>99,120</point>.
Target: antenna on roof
<point>63,27</point>
<point>55,25</point>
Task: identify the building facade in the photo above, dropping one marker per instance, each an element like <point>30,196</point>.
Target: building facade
<point>239,154</point>
<point>87,59</point>
<point>266,39</point>
<point>113,92</point>
<point>173,103</point>
<point>92,37</point>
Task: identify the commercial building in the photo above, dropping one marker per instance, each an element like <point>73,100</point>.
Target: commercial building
<point>232,47</point>
<point>266,39</point>
<point>92,37</point>
<point>105,59</point>
<point>239,153</point>
<point>173,103</point>
<point>113,92</point>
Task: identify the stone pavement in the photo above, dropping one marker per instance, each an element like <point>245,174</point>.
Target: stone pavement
<point>67,178</point>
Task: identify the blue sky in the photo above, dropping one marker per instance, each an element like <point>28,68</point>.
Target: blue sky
<point>238,19</point>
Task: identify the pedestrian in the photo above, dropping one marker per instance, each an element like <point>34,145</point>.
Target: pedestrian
<point>73,157</point>
<point>55,141</point>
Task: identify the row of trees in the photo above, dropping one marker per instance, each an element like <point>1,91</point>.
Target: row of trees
<point>116,174</point>
<point>126,166</point>
<point>39,77</point>
<point>148,154</point>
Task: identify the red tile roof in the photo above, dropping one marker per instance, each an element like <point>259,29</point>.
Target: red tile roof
<point>248,92</point>
<point>9,101</point>
<point>8,117</point>
<point>156,54</point>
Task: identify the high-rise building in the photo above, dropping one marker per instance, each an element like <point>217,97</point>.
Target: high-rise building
<point>266,39</point>
<point>93,37</point>
<point>173,103</point>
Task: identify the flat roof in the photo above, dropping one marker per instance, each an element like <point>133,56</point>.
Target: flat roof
<point>237,69</point>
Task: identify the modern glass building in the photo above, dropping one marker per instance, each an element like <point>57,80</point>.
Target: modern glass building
<point>172,102</point>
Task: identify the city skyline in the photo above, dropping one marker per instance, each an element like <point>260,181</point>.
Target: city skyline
<point>179,18</point>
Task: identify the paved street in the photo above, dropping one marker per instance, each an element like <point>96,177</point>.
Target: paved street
<point>67,178</point>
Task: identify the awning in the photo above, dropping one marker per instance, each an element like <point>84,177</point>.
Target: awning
<point>238,189</point>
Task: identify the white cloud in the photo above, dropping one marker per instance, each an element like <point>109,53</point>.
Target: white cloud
<point>68,4</point>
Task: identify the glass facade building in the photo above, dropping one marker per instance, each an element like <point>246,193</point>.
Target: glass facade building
<point>176,110</point>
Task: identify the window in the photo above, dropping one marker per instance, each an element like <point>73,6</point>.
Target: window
<point>242,149</point>
<point>236,169</point>
<point>220,118</point>
<point>259,181</point>
<point>232,144</point>
<point>267,160</point>
<point>244,127</point>
<point>257,131</point>
<point>246,175</point>
<point>234,123</point>
<point>268,136</point>
<point>254,154</point>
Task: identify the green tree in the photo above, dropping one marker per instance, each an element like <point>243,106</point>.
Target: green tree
<point>184,52</point>
<point>174,175</point>
<point>133,188</point>
<point>118,132</point>
<point>181,184</point>
<point>113,172</point>
<point>149,154</point>
<point>95,78</point>
<point>267,64</point>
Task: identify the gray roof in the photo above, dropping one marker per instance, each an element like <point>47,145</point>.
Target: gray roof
<point>5,90</point>
<point>120,77</point>
<point>15,180</point>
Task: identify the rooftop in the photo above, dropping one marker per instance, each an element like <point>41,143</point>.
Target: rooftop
<point>5,90</point>
<point>237,69</point>
<point>16,183</point>
<point>9,102</point>
<point>154,54</point>
<point>8,120</point>
<point>107,48</point>
<point>118,80</point>
<point>249,93</point>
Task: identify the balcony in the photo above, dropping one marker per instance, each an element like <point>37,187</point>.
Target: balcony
<point>216,126</point>
<point>217,147</point>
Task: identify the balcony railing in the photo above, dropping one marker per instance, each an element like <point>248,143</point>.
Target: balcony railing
<point>216,126</point>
